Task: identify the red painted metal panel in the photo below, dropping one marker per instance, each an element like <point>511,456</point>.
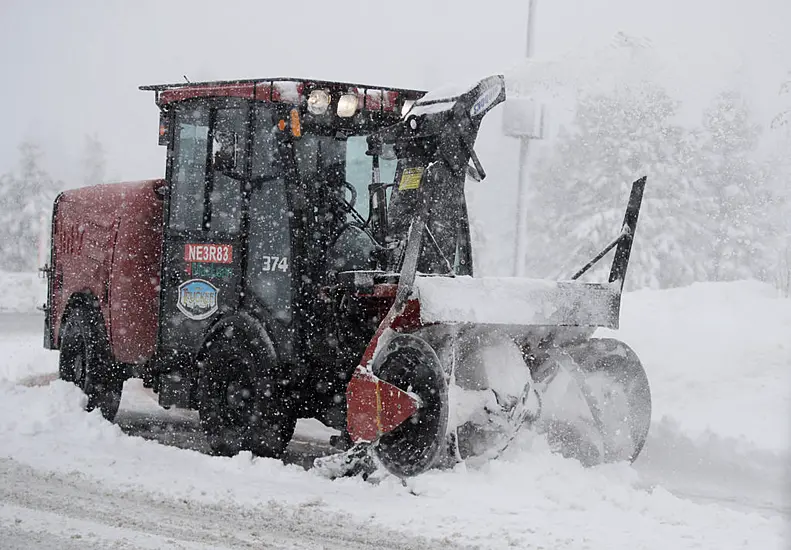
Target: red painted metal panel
<point>375,407</point>
<point>245,91</point>
<point>108,241</point>
<point>389,101</point>
<point>263,91</point>
<point>361,406</point>
<point>363,412</point>
<point>385,290</point>
<point>84,236</point>
<point>279,90</point>
<point>409,318</point>
<point>134,279</point>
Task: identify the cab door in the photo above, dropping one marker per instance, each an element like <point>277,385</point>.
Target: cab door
<point>202,256</point>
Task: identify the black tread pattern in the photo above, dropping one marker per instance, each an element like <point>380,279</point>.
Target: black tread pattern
<point>86,361</point>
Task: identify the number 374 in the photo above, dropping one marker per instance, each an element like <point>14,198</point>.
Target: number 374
<point>274,263</point>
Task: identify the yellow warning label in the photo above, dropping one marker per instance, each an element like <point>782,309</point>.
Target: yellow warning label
<point>410,179</point>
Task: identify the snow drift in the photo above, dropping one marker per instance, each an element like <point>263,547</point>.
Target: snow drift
<point>22,292</point>
<point>714,473</point>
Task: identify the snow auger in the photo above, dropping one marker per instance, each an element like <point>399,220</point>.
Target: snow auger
<point>459,365</point>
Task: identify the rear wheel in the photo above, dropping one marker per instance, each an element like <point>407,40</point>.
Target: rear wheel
<point>85,361</point>
<point>243,402</point>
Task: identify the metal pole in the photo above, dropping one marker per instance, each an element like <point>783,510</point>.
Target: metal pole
<point>520,252</point>
<point>531,26</point>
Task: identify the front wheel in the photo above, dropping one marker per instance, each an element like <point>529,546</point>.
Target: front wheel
<point>85,361</point>
<point>244,403</point>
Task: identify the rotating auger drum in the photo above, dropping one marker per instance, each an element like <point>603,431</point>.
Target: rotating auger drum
<point>460,365</point>
<point>590,399</point>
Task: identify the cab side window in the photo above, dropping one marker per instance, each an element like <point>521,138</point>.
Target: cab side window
<point>210,162</point>
<point>189,169</point>
<point>228,154</point>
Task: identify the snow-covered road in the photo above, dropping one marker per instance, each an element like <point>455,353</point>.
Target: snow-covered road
<point>69,510</point>
<point>715,472</point>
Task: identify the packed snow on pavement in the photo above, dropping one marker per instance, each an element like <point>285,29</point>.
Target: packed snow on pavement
<point>715,472</point>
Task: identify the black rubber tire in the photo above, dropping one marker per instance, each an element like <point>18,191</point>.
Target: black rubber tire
<point>242,400</point>
<point>85,360</point>
<point>408,362</point>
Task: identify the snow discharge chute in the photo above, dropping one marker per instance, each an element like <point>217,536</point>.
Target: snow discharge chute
<point>459,364</point>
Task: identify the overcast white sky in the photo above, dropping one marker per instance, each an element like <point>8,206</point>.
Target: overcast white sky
<point>72,67</point>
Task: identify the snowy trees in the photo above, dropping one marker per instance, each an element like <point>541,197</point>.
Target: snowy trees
<point>706,210</point>
<point>583,186</point>
<point>26,196</point>
<point>25,205</point>
<point>94,164</point>
<point>738,198</point>
<point>8,186</point>
<point>783,118</point>
<point>781,184</point>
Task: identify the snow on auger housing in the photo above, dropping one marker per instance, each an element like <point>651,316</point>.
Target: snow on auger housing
<point>253,285</point>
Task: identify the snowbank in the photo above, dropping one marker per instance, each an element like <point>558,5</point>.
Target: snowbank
<point>718,357</point>
<point>24,357</point>
<point>22,292</point>
<point>528,499</point>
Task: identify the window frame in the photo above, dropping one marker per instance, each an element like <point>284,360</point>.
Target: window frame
<point>176,202</point>
<point>210,110</point>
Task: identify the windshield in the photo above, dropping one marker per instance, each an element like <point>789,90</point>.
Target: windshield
<point>359,170</point>
<point>338,162</point>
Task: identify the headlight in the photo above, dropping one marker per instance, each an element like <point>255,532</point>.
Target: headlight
<point>347,105</point>
<point>318,101</point>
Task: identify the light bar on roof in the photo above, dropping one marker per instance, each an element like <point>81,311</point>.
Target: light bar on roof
<point>293,92</point>
<point>318,101</point>
<point>347,105</point>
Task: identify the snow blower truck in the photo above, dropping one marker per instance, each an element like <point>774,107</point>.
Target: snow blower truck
<point>308,255</point>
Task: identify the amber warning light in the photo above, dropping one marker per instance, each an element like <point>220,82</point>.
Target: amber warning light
<point>163,129</point>
<point>296,125</point>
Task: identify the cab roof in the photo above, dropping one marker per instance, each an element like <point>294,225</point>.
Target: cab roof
<point>285,90</point>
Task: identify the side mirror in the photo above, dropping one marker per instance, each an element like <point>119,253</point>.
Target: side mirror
<point>523,118</point>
